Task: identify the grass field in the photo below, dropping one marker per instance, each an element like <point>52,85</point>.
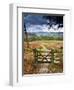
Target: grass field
<point>30,67</point>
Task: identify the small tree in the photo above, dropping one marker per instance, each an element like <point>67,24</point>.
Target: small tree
<point>26,36</point>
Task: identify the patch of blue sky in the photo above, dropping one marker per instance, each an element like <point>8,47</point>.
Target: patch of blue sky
<point>35,20</point>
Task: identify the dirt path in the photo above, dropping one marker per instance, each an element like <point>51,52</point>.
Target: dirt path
<point>43,68</point>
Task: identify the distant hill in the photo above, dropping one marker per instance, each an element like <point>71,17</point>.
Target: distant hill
<point>50,34</point>
<point>33,36</point>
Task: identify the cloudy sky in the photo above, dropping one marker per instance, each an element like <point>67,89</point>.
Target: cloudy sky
<point>41,23</point>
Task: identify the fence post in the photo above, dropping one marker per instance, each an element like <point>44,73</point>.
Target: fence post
<point>35,55</point>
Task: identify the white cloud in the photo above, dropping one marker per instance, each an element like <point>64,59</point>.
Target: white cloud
<point>43,28</point>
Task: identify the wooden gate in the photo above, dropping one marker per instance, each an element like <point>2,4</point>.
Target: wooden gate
<point>48,56</point>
